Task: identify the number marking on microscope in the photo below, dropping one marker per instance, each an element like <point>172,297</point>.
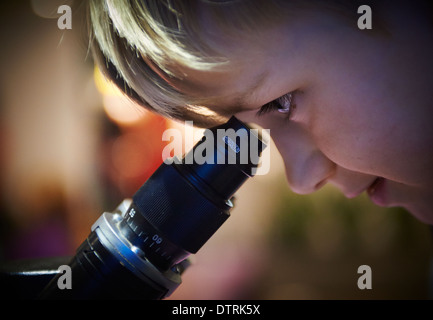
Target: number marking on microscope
<point>132,213</point>
<point>157,239</point>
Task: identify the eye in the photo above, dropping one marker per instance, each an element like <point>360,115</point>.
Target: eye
<point>284,104</point>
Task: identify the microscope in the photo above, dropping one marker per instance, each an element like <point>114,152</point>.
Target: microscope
<point>140,249</point>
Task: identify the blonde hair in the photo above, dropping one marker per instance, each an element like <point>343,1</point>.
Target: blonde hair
<point>128,35</point>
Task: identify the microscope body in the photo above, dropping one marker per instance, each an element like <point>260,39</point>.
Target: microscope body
<point>140,250</point>
<point>108,266</point>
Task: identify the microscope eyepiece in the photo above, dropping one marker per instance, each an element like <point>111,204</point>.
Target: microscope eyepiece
<point>186,202</point>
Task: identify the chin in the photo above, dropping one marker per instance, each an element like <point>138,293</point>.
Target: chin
<point>417,201</point>
<point>422,213</point>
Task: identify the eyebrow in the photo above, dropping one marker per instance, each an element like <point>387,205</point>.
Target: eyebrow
<point>252,89</point>
<point>243,99</point>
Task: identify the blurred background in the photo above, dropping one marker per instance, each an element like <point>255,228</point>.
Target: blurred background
<point>71,147</point>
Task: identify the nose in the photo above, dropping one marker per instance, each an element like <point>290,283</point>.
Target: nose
<point>307,168</point>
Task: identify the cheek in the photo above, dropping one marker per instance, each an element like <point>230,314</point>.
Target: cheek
<point>364,139</point>
<point>350,134</point>
<point>341,142</point>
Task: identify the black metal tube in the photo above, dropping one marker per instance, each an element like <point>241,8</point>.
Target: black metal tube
<point>138,252</point>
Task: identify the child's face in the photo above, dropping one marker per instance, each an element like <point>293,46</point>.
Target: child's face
<point>363,106</point>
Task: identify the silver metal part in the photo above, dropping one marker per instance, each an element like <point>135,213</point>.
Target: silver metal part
<point>109,233</point>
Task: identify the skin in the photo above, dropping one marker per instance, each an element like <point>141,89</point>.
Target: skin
<point>363,101</point>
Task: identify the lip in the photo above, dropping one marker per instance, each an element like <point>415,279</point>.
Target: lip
<point>377,192</point>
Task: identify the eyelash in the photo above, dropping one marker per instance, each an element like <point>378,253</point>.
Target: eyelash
<point>275,105</point>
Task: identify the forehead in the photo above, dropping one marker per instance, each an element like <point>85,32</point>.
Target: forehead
<point>234,91</point>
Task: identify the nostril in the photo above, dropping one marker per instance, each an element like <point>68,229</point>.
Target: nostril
<point>331,172</point>
<point>311,175</point>
<point>320,184</point>
<point>301,187</point>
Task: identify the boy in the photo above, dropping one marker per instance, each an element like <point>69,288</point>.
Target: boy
<point>344,105</point>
